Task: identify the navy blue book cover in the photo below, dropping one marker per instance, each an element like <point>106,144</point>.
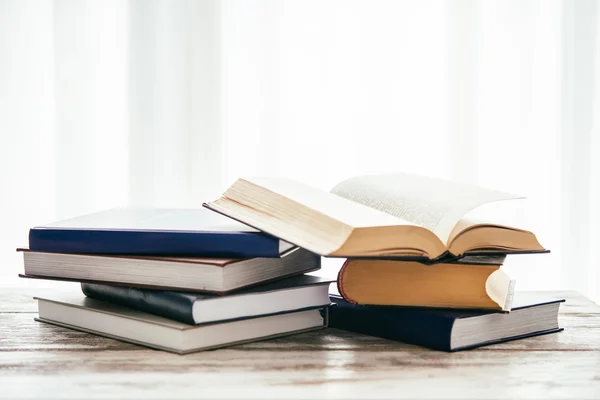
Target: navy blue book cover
<point>155,231</point>
<point>427,327</point>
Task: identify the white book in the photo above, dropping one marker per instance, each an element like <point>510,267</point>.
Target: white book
<point>105,319</point>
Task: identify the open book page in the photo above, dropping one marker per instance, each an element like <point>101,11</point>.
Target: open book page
<point>340,209</point>
<point>435,204</point>
<point>468,223</point>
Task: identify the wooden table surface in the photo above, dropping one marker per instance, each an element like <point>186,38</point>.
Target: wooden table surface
<point>40,360</point>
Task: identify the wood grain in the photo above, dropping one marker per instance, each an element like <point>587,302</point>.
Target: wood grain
<point>581,333</point>
<point>45,361</point>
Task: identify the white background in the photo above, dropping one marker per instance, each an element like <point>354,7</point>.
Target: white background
<point>165,103</point>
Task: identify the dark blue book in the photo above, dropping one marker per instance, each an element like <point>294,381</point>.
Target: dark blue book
<point>449,329</point>
<point>156,232</point>
<point>291,294</point>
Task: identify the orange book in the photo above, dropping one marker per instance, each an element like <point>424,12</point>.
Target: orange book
<point>410,283</point>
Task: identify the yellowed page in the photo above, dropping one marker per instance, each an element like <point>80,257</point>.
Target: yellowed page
<point>435,204</point>
<point>467,223</point>
<point>348,212</point>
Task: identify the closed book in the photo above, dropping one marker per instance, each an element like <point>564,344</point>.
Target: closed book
<point>476,282</point>
<point>122,323</point>
<point>291,294</point>
<point>448,329</point>
<point>155,231</point>
<point>209,275</point>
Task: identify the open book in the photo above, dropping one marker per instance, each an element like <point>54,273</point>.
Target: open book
<point>395,215</point>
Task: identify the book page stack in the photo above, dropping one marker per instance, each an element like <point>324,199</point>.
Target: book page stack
<point>416,268</point>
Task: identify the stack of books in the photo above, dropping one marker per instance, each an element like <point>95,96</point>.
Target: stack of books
<point>176,280</point>
<point>417,269</point>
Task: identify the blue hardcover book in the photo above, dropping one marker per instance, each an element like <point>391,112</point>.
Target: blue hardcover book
<point>155,231</point>
<point>291,294</point>
<point>449,329</point>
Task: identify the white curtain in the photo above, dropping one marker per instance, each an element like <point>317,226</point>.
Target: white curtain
<point>106,103</point>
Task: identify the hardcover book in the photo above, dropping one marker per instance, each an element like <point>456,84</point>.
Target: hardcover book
<point>446,329</point>
<point>210,275</point>
<point>291,294</point>
<point>155,231</point>
<point>125,324</point>
<point>474,282</point>
<point>395,215</point>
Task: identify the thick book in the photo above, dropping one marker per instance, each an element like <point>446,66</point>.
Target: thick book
<point>117,322</point>
<point>449,330</point>
<point>474,282</point>
<point>155,231</point>
<point>396,215</point>
<point>210,275</point>
<point>291,294</point>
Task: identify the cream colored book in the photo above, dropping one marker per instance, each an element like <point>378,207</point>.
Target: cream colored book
<point>394,215</point>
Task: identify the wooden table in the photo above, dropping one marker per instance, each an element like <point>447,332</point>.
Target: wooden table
<point>39,360</point>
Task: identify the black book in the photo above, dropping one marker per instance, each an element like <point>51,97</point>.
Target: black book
<point>449,329</point>
<point>292,294</point>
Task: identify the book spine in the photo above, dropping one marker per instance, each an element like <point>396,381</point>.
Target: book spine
<point>399,324</point>
<point>205,244</point>
<point>172,305</point>
<point>340,282</point>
